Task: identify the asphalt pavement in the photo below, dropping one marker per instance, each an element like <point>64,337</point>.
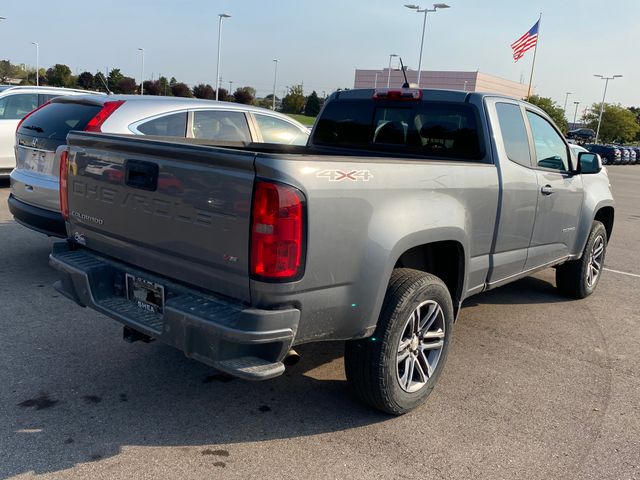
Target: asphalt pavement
<point>536,386</point>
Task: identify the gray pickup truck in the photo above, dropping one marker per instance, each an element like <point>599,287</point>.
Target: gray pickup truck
<point>403,204</point>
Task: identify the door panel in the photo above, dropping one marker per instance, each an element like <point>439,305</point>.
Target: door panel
<point>7,143</point>
<point>560,195</point>
<point>556,218</point>
<point>519,192</point>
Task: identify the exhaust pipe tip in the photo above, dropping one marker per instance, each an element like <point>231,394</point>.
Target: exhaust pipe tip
<point>291,358</point>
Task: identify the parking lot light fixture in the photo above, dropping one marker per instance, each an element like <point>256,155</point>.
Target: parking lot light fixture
<point>221,16</point>
<point>575,114</point>
<point>417,8</point>
<point>142,72</point>
<point>37,62</point>
<point>606,84</point>
<point>566,98</point>
<point>389,73</point>
<point>275,77</point>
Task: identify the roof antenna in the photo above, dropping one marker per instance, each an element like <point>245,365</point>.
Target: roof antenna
<point>404,72</point>
<point>109,92</point>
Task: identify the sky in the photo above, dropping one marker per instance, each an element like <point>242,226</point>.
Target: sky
<point>321,43</point>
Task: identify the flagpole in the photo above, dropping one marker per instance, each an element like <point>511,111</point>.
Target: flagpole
<point>535,50</point>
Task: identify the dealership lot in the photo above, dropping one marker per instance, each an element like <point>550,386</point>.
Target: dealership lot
<point>535,387</point>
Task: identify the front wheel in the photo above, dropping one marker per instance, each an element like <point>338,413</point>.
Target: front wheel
<point>396,369</point>
<point>579,278</point>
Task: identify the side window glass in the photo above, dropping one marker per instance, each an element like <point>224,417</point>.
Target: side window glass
<point>275,130</point>
<point>174,125</point>
<point>14,107</point>
<point>514,133</point>
<point>221,125</point>
<point>551,151</point>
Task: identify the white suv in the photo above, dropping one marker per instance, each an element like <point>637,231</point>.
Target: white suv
<point>15,103</point>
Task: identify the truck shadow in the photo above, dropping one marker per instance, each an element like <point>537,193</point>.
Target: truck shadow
<point>538,289</point>
<point>159,398</point>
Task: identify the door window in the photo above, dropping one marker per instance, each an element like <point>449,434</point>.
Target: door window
<point>14,107</point>
<point>173,125</point>
<point>551,151</point>
<point>276,130</point>
<point>221,125</point>
<point>514,133</point>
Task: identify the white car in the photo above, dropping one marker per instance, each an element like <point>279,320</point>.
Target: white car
<point>15,103</point>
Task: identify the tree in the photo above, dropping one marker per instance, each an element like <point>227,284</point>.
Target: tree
<point>204,91</point>
<point>223,95</point>
<point>59,76</point>
<point>8,71</point>
<point>152,87</point>
<point>245,95</point>
<point>163,86</point>
<point>180,90</point>
<point>86,80</point>
<point>294,101</point>
<point>312,107</point>
<point>127,85</point>
<point>552,109</point>
<point>619,124</point>
<point>115,75</point>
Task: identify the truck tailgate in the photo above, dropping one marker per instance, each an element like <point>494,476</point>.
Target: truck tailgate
<point>175,209</point>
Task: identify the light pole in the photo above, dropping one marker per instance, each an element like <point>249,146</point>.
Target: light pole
<point>221,15</point>
<point>142,72</point>
<point>275,76</point>
<point>606,84</point>
<point>37,62</point>
<point>389,76</point>
<point>417,8</point>
<point>575,115</point>
<point>565,102</point>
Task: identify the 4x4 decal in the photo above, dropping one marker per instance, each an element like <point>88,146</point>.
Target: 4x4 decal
<point>351,175</point>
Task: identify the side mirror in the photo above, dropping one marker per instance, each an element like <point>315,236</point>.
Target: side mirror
<point>589,162</point>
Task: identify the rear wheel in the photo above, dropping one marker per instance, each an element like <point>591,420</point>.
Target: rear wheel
<point>579,278</point>
<point>396,369</point>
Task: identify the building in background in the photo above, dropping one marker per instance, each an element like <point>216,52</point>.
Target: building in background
<point>468,81</point>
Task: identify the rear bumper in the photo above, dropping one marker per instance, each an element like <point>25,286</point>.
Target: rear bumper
<point>38,219</point>
<point>232,337</point>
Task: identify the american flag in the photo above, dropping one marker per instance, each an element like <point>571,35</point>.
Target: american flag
<point>525,42</point>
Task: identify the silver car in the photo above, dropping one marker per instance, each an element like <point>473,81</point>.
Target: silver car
<point>15,103</point>
<point>41,137</point>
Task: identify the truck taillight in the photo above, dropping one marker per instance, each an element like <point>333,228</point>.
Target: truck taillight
<point>64,184</point>
<point>95,124</point>
<point>397,94</point>
<point>277,232</point>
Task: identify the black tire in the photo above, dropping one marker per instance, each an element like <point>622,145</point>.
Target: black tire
<point>372,365</point>
<point>572,278</point>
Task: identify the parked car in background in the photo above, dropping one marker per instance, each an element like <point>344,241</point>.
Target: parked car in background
<point>15,103</point>
<point>34,200</point>
<point>584,134</point>
<point>610,155</point>
<point>626,155</point>
<point>637,150</point>
<point>632,155</point>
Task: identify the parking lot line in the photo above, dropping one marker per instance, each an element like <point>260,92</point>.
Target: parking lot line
<point>623,273</point>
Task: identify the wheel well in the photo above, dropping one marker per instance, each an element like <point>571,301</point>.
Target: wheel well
<point>442,259</point>
<point>605,215</point>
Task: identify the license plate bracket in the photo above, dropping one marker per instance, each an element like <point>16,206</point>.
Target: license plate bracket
<point>145,294</point>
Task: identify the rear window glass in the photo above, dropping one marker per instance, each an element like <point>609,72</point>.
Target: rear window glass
<point>174,125</point>
<point>56,120</point>
<point>429,129</point>
<point>514,133</point>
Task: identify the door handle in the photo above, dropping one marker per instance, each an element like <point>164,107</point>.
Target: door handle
<point>546,190</point>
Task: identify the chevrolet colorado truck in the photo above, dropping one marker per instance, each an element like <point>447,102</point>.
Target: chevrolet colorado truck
<point>403,204</point>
